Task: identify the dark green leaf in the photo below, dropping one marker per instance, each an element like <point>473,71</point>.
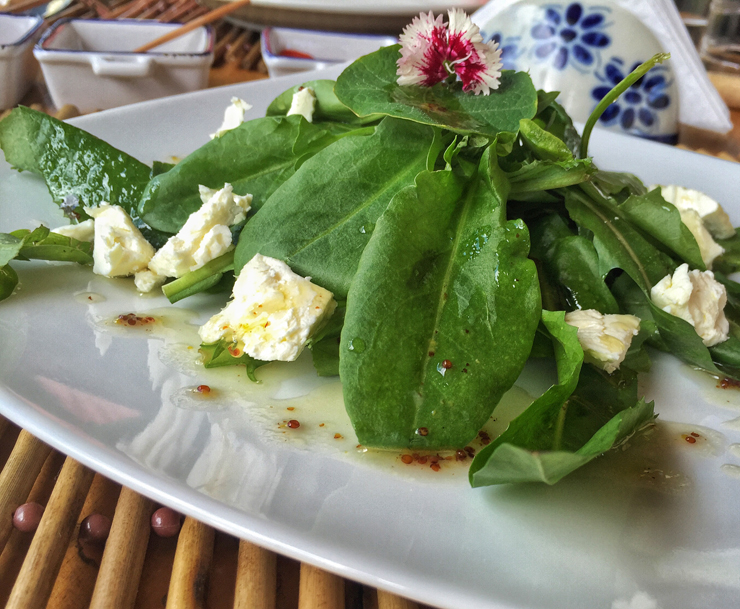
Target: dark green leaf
<point>662,221</point>
<point>8,281</point>
<point>729,262</point>
<point>571,261</point>
<point>10,247</point>
<point>557,121</point>
<point>42,244</point>
<point>254,158</point>
<point>620,185</point>
<point>324,344</point>
<point>617,242</point>
<point>544,145</point>
<point>587,413</point>
<point>548,175</point>
<point>328,107</point>
<point>545,99</point>
<point>79,169</point>
<point>444,277</point>
<point>320,220</point>
<point>369,87</point>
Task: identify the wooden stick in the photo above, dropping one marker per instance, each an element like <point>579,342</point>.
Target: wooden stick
<point>18,543</point>
<point>190,569</point>
<point>23,6</point>
<point>319,589</point>
<point>386,600</point>
<point>209,17</point>
<point>256,578</point>
<point>253,54</point>
<point>39,570</point>
<point>17,478</point>
<point>4,425</point>
<point>76,580</point>
<point>120,570</point>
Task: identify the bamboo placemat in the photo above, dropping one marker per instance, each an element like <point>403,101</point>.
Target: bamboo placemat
<point>57,567</point>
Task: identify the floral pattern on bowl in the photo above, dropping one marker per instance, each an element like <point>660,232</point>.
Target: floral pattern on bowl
<point>583,49</point>
<point>571,34</point>
<point>639,109</point>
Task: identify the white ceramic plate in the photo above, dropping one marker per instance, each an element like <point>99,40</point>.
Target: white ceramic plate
<point>371,7</point>
<point>657,526</point>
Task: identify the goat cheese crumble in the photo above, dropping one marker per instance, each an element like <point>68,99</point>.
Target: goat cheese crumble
<point>605,338</point>
<point>84,231</point>
<point>303,103</point>
<point>205,235</point>
<point>119,248</point>
<point>712,214</point>
<point>273,311</point>
<point>233,116</point>
<point>696,297</point>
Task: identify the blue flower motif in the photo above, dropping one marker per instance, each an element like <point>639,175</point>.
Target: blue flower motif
<point>510,50</point>
<point>639,107</point>
<point>570,34</point>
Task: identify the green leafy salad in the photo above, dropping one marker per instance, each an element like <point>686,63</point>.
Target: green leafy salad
<point>460,235</point>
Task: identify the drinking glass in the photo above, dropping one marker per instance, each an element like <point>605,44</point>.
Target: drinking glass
<point>720,46</point>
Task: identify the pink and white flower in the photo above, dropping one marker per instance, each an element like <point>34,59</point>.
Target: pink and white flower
<point>432,51</point>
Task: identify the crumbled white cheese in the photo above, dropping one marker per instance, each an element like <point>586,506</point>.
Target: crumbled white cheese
<point>715,218</point>
<point>119,248</point>
<point>84,231</point>
<point>708,247</point>
<point>696,297</point>
<point>303,103</point>
<point>233,116</point>
<point>146,280</point>
<point>605,338</point>
<point>273,312</point>
<point>205,235</point>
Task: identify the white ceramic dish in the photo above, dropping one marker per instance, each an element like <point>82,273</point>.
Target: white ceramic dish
<point>90,63</point>
<point>17,67</point>
<point>324,48</point>
<point>372,7</point>
<point>662,528</point>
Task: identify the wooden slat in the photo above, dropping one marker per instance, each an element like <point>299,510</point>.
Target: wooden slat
<point>36,578</point>
<point>18,543</point>
<point>190,570</point>
<point>79,571</point>
<point>4,425</point>
<point>320,589</point>
<point>123,559</point>
<point>256,578</point>
<point>386,600</point>
<point>17,478</point>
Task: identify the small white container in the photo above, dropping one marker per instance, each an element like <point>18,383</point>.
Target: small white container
<point>90,63</point>
<point>17,66</point>
<point>282,47</point>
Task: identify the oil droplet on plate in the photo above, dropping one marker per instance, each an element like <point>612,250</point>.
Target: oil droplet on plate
<point>733,471</point>
<point>89,297</point>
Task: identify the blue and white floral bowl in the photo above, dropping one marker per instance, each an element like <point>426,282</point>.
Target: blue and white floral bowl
<point>583,49</point>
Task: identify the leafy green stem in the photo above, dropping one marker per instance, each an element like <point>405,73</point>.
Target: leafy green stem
<point>612,96</point>
<point>200,280</point>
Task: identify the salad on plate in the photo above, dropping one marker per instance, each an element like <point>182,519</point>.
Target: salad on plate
<point>425,226</point>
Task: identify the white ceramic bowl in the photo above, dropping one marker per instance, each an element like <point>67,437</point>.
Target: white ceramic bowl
<point>90,63</point>
<point>583,49</point>
<point>17,66</point>
<point>286,51</point>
